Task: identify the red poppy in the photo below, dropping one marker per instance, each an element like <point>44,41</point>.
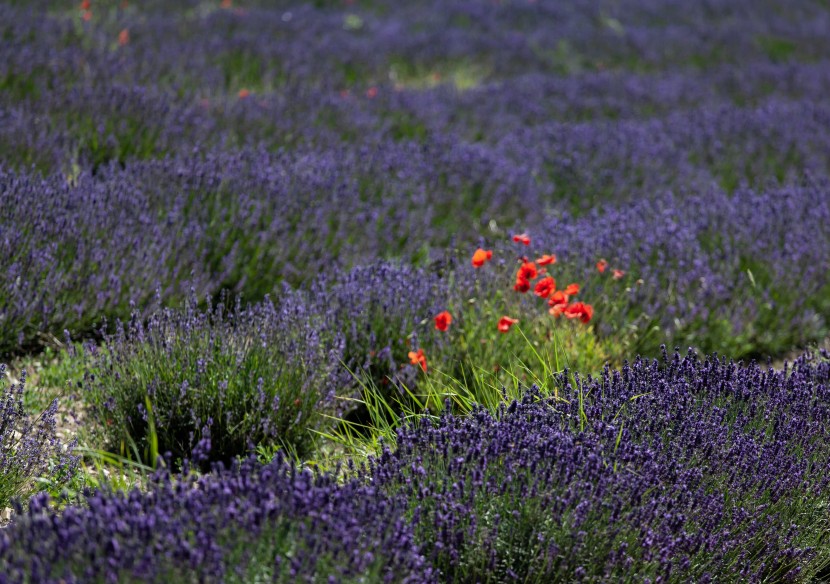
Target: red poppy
<point>480,256</point>
<point>545,287</point>
<point>580,310</point>
<point>443,321</point>
<point>87,15</point>
<point>546,259</point>
<point>85,5</point>
<point>572,289</point>
<point>528,271</point>
<point>618,274</point>
<point>558,309</point>
<point>601,265</point>
<point>243,93</point>
<point>558,297</point>
<point>505,322</point>
<point>418,359</point>
<point>372,92</point>
<point>522,238</point>
<point>123,37</point>
<point>226,3</point>
<point>522,285</point>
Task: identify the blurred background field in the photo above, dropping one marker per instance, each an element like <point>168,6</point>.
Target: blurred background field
<point>226,227</point>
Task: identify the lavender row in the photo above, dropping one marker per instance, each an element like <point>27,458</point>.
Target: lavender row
<point>206,47</point>
<point>76,251</point>
<point>774,126</point>
<point>676,470</point>
<point>744,273</point>
<point>250,523</point>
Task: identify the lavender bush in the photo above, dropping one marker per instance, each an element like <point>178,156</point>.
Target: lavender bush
<point>29,448</point>
<point>221,381</point>
<point>741,273</point>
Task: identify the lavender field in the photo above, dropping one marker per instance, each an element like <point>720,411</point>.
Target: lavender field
<point>471,291</point>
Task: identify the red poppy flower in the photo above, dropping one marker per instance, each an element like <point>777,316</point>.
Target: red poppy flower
<point>243,93</point>
<point>226,3</point>
<point>505,322</point>
<point>418,359</point>
<point>558,309</point>
<point>87,15</point>
<point>579,310</point>
<point>572,289</point>
<point>443,321</point>
<point>527,271</point>
<point>546,259</point>
<point>372,92</point>
<point>522,285</point>
<point>618,274</point>
<point>601,265</point>
<point>123,37</point>
<point>522,238</point>
<point>545,287</point>
<point>480,256</point>
<point>85,5</point>
<point>558,297</point>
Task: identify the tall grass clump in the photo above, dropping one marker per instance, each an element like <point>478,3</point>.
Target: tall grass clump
<point>220,380</point>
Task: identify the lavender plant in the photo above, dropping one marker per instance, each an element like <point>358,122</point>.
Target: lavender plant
<point>29,448</point>
<point>221,381</point>
<point>378,310</point>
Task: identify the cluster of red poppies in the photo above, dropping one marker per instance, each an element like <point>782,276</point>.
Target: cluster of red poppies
<point>545,288</point>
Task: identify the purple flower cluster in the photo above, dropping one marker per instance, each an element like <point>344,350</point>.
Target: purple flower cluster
<point>251,523</point>
<point>29,448</point>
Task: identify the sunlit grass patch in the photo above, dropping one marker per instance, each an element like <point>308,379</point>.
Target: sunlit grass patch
<point>462,75</point>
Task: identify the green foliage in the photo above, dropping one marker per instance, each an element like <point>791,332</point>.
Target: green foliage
<point>56,372</point>
<point>777,49</point>
<point>115,139</point>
